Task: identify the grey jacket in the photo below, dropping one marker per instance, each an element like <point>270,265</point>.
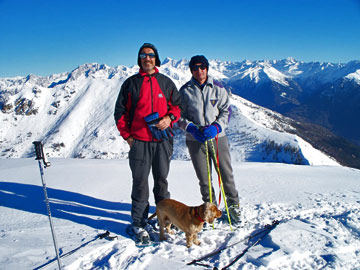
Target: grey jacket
<point>204,107</point>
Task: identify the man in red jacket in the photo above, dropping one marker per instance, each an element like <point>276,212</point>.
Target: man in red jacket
<point>145,110</point>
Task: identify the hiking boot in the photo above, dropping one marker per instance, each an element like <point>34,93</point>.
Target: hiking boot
<point>234,212</point>
<point>149,228</point>
<point>141,234</point>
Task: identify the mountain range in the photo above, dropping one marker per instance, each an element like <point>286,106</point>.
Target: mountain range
<point>72,112</point>
<point>321,93</point>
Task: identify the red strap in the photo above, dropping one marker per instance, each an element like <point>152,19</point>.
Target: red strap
<point>217,160</point>
<point>218,165</point>
<point>197,215</point>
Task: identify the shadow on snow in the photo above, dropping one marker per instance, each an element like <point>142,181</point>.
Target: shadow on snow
<point>82,209</point>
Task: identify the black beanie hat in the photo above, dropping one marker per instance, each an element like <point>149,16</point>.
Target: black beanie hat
<point>198,59</point>
<point>151,46</point>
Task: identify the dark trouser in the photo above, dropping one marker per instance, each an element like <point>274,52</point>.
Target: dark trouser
<point>144,156</point>
<point>198,158</point>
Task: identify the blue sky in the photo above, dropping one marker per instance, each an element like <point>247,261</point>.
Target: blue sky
<point>45,37</point>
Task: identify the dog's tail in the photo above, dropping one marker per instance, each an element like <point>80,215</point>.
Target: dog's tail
<point>152,216</point>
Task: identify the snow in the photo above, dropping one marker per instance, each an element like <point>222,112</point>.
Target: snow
<point>354,76</point>
<point>275,75</point>
<point>318,206</point>
<point>258,124</point>
<point>73,115</point>
<point>72,112</point>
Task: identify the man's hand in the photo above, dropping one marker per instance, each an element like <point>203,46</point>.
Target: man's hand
<point>160,128</point>
<point>164,123</point>
<point>194,130</point>
<point>211,131</point>
<point>130,141</point>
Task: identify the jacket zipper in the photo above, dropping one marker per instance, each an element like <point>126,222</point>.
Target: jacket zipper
<point>152,103</point>
<point>204,109</point>
<point>151,91</point>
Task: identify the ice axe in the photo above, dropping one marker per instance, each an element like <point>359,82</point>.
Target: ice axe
<point>39,151</point>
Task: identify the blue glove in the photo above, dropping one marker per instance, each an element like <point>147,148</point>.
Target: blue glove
<point>166,133</point>
<point>193,130</point>
<point>151,120</point>
<point>211,131</point>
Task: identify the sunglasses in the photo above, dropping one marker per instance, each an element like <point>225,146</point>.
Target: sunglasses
<point>202,67</point>
<point>143,55</point>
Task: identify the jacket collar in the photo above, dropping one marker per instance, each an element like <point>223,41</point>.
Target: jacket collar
<point>209,81</point>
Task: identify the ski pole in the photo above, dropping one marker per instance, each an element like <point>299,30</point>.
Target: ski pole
<point>221,183</point>
<point>267,228</point>
<point>208,171</point>
<point>41,157</point>
<point>266,231</point>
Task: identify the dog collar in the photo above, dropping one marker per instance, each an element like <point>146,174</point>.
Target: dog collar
<point>197,215</point>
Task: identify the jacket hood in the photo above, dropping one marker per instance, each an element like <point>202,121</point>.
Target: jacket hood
<point>151,46</point>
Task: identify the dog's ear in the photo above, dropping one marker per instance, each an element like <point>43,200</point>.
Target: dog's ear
<point>211,213</point>
<point>217,213</point>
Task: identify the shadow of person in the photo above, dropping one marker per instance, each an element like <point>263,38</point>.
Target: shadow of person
<point>82,209</point>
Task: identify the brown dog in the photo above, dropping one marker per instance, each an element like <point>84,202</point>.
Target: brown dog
<point>188,219</point>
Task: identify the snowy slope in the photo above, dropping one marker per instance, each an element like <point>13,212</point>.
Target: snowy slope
<point>318,208</point>
<point>72,113</point>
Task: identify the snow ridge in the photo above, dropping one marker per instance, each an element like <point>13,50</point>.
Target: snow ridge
<point>72,113</point>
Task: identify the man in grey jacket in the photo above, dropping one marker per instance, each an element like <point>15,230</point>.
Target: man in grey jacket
<point>205,115</point>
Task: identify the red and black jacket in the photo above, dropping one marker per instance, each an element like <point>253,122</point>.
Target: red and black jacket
<point>140,95</point>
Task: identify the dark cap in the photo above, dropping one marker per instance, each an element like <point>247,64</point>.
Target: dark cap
<point>198,59</point>
<point>151,46</point>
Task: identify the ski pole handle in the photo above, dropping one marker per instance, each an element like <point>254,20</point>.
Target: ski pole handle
<point>39,151</point>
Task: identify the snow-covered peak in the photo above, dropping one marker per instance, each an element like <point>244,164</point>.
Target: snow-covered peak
<point>90,69</point>
<point>168,60</point>
<point>276,75</point>
<point>291,61</point>
<point>354,76</point>
<point>74,111</point>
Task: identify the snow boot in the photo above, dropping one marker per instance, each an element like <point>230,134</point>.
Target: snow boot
<point>234,212</point>
<point>141,234</point>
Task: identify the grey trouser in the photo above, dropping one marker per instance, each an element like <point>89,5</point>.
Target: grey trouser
<point>144,156</point>
<point>198,158</point>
